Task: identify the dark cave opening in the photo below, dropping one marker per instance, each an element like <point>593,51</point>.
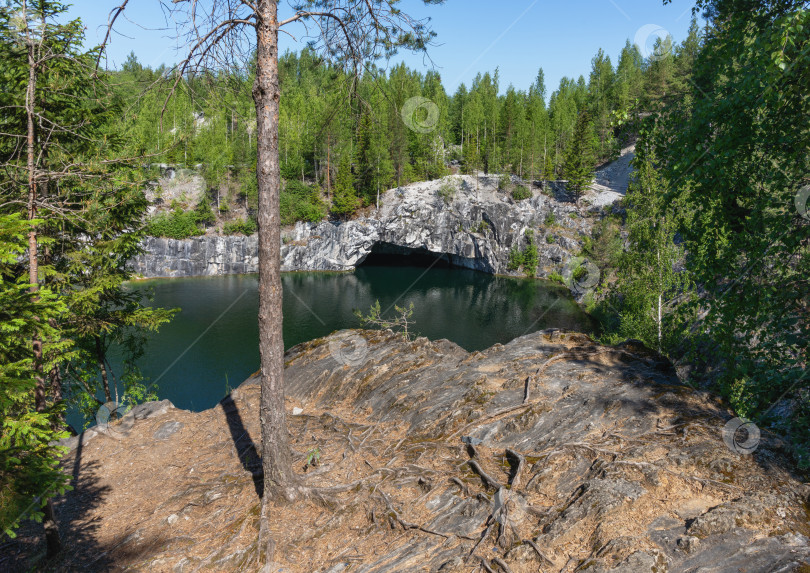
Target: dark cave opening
<point>390,255</point>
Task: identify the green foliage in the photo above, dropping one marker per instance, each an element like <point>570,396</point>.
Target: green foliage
<point>739,162</point>
<point>345,200</point>
<point>204,214</point>
<point>604,246</point>
<point>313,458</point>
<point>249,190</point>
<point>447,190</point>
<point>556,277</point>
<point>526,258</point>
<point>520,193</point>
<point>212,121</point>
<point>649,284</point>
<point>579,157</point>
<point>401,322</point>
<point>89,203</point>
<point>102,312</point>
<point>240,227</point>
<point>29,470</point>
<point>530,256</point>
<point>550,239</point>
<point>175,224</point>
<point>482,227</point>
<point>515,258</point>
<point>504,182</point>
<point>550,219</point>
<point>301,202</point>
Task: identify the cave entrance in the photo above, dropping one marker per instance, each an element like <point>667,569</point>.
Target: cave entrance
<point>390,255</point>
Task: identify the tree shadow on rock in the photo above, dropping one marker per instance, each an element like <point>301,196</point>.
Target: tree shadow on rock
<point>78,526</point>
<point>245,447</point>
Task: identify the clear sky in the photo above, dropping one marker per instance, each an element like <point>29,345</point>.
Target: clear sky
<point>517,36</point>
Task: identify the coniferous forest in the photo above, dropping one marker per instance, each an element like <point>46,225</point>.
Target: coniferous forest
<point>331,119</point>
<point>707,261</point>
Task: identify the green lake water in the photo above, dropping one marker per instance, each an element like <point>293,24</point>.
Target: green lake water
<point>212,344</point>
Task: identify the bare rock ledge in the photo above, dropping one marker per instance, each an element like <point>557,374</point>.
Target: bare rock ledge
<point>550,453</point>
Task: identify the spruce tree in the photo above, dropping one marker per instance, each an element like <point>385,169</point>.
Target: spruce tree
<point>579,157</point>
<point>345,200</point>
<point>365,163</point>
<point>29,468</point>
<point>59,171</point>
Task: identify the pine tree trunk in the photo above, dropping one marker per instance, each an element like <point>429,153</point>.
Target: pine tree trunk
<point>105,381</point>
<point>328,169</point>
<point>279,479</point>
<point>55,376</point>
<point>33,254</point>
<point>660,296</point>
<point>54,544</point>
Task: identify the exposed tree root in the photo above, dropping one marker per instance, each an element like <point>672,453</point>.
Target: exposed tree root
<point>488,480</point>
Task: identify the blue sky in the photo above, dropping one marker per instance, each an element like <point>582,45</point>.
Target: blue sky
<point>517,36</point>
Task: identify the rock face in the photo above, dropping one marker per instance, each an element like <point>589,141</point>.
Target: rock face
<point>550,453</point>
<point>463,220</point>
<point>475,229</point>
<point>198,256</point>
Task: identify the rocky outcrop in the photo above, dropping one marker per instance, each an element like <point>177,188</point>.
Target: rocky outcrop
<point>550,453</point>
<point>199,256</point>
<point>463,220</point>
<point>475,229</point>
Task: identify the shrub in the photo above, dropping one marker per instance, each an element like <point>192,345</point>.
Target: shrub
<point>519,193</point>
<point>605,246</point>
<point>249,189</point>
<point>204,212</point>
<point>447,190</point>
<point>515,259</point>
<point>556,277</point>
<point>550,239</point>
<point>527,258</point>
<point>551,220</point>
<point>301,202</point>
<point>530,257</point>
<point>176,224</point>
<point>504,181</point>
<point>401,322</point>
<point>482,227</point>
<point>240,227</point>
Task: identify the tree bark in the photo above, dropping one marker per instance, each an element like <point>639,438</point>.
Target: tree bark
<point>52,539</point>
<point>660,297</point>
<point>279,479</point>
<point>33,255</point>
<point>101,359</point>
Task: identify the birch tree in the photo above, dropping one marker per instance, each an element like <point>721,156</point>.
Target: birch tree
<point>649,278</point>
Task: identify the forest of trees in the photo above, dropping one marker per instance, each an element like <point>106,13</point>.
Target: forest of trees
<point>331,121</point>
<point>708,262</point>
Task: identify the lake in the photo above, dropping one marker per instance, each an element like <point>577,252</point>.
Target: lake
<point>212,343</point>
